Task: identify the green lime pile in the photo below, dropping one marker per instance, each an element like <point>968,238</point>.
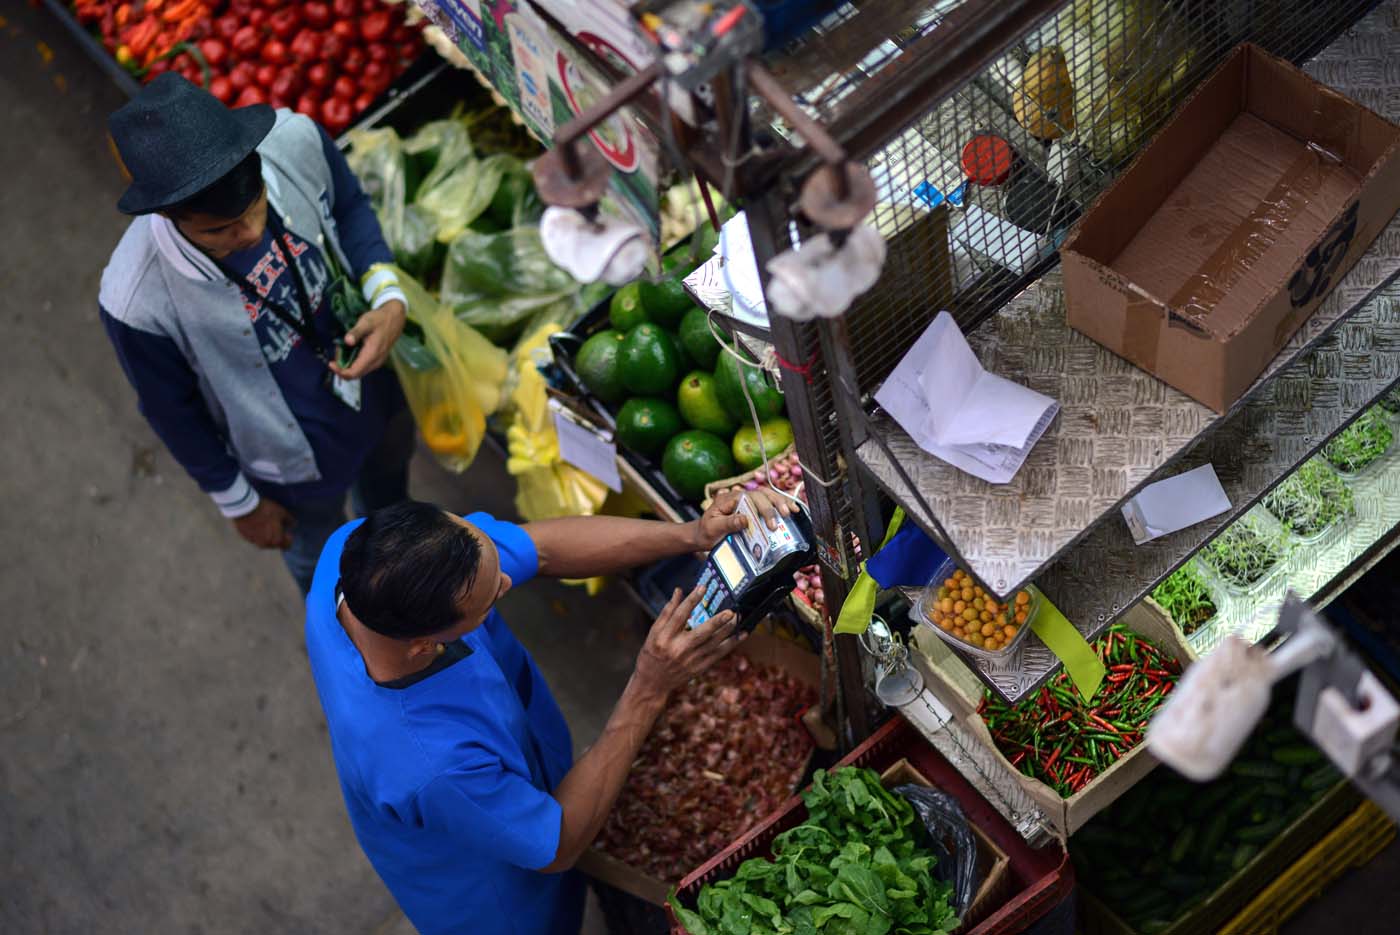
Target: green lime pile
<point>681,396</point>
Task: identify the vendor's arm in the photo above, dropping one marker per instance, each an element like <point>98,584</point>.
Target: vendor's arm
<point>167,393</point>
<point>362,241</point>
<point>585,546</point>
<point>671,656</point>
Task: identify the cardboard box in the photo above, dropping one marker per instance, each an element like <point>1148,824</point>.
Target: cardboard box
<point>1227,231</point>
<point>1069,815</point>
<point>763,648</point>
<point>992,863</point>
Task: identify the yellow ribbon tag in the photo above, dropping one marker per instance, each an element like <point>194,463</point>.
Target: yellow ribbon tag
<point>1068,644</point>
<point>859,605</point>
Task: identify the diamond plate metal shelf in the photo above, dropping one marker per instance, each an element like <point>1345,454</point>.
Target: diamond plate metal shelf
<point>1119,426</point>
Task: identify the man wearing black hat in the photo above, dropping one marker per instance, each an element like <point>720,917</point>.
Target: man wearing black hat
<point>219,301</point>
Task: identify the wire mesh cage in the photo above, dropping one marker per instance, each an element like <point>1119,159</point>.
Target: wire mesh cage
<point>977,193</point>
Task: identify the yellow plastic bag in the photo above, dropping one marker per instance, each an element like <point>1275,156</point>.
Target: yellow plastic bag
<point>452,376</point>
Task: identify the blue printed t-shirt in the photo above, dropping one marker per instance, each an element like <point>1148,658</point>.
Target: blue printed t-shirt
<point>341,437</point>
<point>448,779</point>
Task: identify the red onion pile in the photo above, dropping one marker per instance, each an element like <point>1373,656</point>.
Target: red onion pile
<point>728,751</point>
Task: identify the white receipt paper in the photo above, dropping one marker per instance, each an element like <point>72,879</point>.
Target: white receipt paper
<point>585,449</point>
<point>1175,503</point>
<point>958,412</point>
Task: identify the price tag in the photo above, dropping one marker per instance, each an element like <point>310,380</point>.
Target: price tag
<point>585,448</point>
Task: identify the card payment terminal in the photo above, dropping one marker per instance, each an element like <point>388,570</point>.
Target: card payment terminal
<point>751,571</point>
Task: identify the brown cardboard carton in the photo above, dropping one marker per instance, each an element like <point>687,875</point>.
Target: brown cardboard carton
<point>1227,231</point>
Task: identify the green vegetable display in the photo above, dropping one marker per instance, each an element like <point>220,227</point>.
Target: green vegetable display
<point>1246,551</point>
<point>1310,500</point>
<point>1186,598</point>
<point>1169,843</point>
<point>1360,443</point>
<point>854,867</point>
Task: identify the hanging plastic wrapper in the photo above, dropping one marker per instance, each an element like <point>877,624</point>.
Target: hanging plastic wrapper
<point>947,825</point>
<point>452,377</point>
<point>823,277</point>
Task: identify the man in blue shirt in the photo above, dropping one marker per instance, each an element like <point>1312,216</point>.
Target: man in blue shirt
<point>218,303</point>
<point>454,759</point>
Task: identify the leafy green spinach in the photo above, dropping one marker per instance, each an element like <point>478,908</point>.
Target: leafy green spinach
<point>854,867</point>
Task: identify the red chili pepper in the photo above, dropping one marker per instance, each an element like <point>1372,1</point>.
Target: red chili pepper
<point>285,22</point>
<point>1050,761</point>
<point>344,89</point>
<point>335,114</point>
<point>222,88</point>
<point>1122,667</point>
<point>305,46</point>
<point>353,61</point>
<point>274,52</point>
<point>250,95</point>
<point>316,14</point>
<point>375,26</point>
<point>1104,724</point>
<point>345,10</point>
<point>320,75</point>
<point>246,41</point>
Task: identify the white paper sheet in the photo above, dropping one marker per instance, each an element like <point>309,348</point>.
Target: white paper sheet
<point>585,449</point>
<point>955,410</point>
<point>1175,503</point>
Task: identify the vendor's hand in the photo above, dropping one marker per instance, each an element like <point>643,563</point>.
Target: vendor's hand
<point>269,526</point>
<point>672,654</point>
<point>374,334</point>
<point>721,519</point>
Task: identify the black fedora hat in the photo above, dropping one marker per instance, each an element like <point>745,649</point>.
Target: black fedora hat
<point>176,140</point>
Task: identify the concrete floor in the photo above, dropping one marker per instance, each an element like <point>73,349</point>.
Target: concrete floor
<point>165,765</point>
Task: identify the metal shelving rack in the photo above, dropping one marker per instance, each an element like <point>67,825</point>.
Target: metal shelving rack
<point>1120,428</point>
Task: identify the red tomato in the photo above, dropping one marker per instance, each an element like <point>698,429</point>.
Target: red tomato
<point>274,52</point>
<point>353,61</point>
<point>250,95</point>
<point>379,52</point>
<point>245,42</point>
<point>243,75</point>
<point>306,46</point>
<point>335,115</point>
<point>284,23</point>
<point>344,88</point>
<point>332,47</point>
<point>347,30</point>
<point>371,6</point>
<point>320,75</point>
<point>316,14</point>
<point>214,52</point>
<point>265,75</point>
<point>362,102</point>
<point>376,77</point>
<point>345,9</point>
<point>310,105</point>
<point>257,17</point>
<point>409,50</point>
<point>401,32</point>
<point>221,88</point>
<point>375,26</point>
<point>159,66</point>
<point>287,85</point>
<point>227,26</point>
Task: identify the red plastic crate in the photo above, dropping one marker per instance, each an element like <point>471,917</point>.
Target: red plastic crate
<point>1041,878</point>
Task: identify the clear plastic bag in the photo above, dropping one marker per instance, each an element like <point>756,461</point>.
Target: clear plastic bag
<point>457,197</point>
<point>435,152</point>
<point>502,284</point>
<point>452,377</point>
<point>943,817</point>
<point>377,159</point>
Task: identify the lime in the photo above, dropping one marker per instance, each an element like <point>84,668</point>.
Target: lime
<point>666,301</point>
<point>597,366</point>
<point>625,311</point>
<point>699,404</point>
<point>650,362</point>
<point>697,340</point>
<point>694,459</point>
<point>646,425</point>
<point>777,438</point>
<point>730,378</point>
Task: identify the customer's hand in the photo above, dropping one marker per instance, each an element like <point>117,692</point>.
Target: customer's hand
<point>721,519</point>
<point>374,334</point>
<point>672,655</point>
<point>269,526</point>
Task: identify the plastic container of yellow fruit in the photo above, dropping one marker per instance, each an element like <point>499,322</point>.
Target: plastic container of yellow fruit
<point>1000,626</point>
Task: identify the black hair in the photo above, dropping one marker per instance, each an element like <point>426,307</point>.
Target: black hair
<point>406,567</point>
<point>230,196</point>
